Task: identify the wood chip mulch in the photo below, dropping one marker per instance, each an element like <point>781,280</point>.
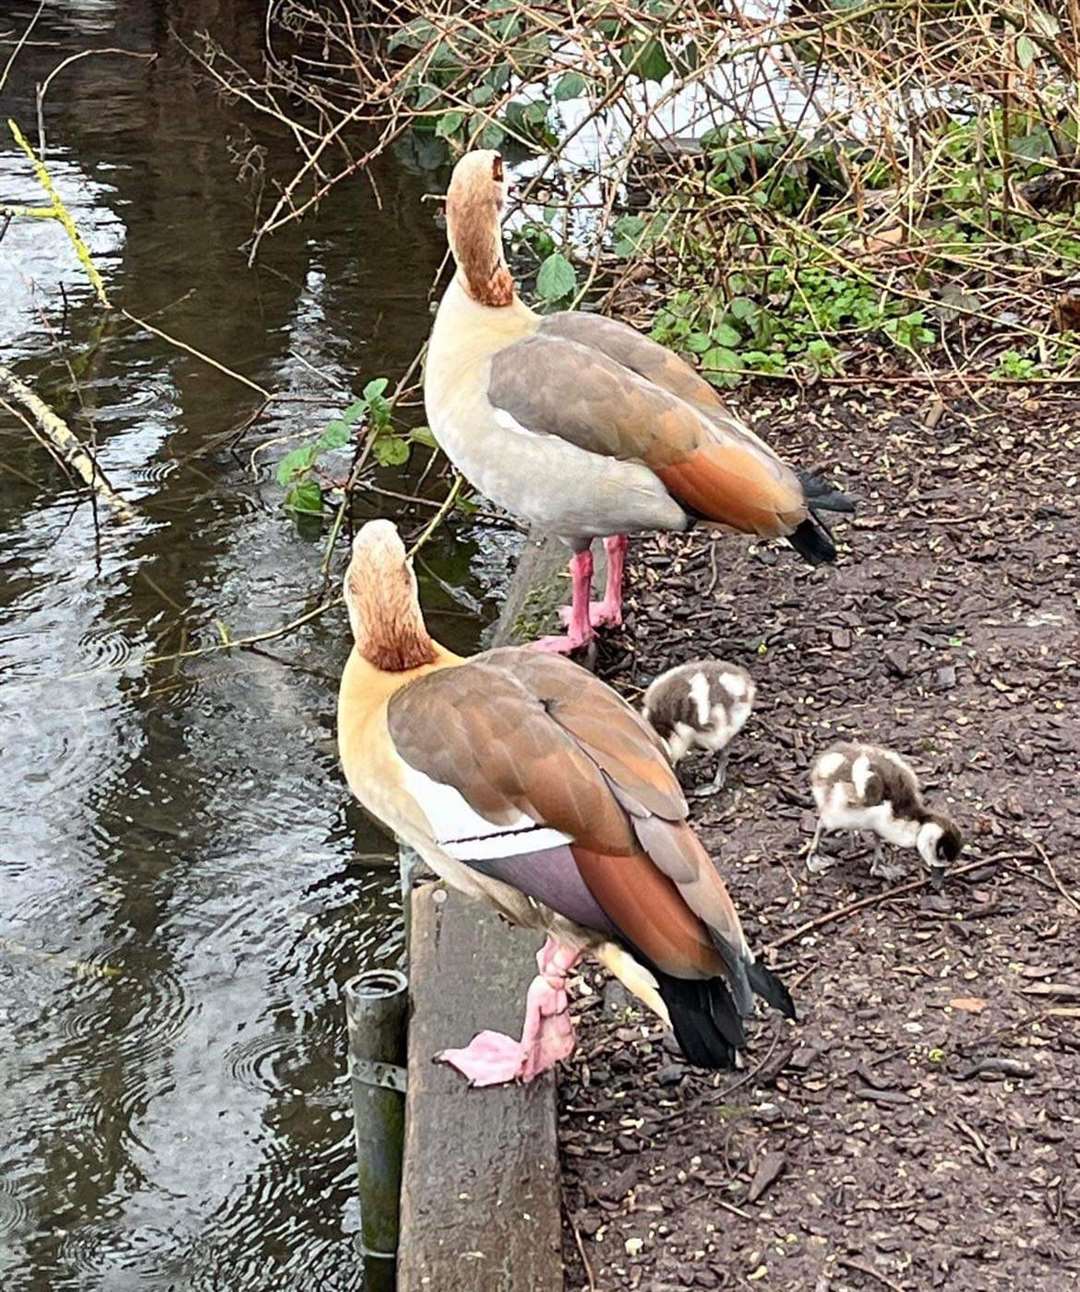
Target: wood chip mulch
<point>919,1128</point>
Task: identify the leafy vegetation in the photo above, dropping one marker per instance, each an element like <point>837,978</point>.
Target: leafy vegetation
<point>372,412</point>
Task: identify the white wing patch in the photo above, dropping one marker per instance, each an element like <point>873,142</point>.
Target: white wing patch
<point>861,771</point>
<point>699,693</point>
<point>829,764</point>
<point>465,834</point>
<point>510,423</point>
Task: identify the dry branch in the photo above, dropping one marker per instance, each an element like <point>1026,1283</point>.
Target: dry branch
<point>69,449</point>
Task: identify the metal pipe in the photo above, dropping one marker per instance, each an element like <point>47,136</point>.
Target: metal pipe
<point>375,1008</point>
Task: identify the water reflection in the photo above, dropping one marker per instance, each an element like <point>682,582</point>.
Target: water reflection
<point>178,900</point>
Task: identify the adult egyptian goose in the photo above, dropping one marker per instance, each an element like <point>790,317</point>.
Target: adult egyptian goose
<point>865,787</point>
<point>700,705</point>
<point>522,779</point>
<point>585,427</point>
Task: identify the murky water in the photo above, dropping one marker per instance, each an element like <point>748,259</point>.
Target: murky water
<point>180,898</point>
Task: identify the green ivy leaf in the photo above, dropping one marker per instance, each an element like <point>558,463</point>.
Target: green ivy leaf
<point>742,308</point>
<point>726,336</point>
<point>422,435</point>
<point>355,411</point>
<point>305,497</point>
<point>414,35</point>
<point>698,342</point>
<point>481,96</point>
<point>572,85</point>
<point>651,63</point>
<point>449,124</point>
<point>492,135</point>
<point>295,463</point>
<point>556,278</point>
<point>336,436</point>
<point>1025,51</point>
<point>721,366</point>
<point>391,451</point>
<point>629,231</point>
<point>371,391</point>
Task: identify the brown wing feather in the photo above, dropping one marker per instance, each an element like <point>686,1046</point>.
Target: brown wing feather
<point>709,461</point>
<point>641,354</point>
<point>517,731</point>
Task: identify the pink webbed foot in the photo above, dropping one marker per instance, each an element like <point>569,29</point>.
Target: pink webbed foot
<point>561,645</point>
<point>601,614</point>
<point>576,616</point>
<point>492,1059</point>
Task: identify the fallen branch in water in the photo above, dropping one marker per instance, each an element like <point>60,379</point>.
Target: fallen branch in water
<point>68,447</point>
<point>58,211</point>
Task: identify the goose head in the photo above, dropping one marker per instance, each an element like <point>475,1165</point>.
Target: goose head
<point>383,601</point>
<point>474,203</point>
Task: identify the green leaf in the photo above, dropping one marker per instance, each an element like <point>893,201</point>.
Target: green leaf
<point>1025,51</point>
<point>391,451</point>
<point>556,278</point>
<point>698,342</point>
<point>651,63</point>
<point>721,366</point>
<point>355,411</point>
<point>295,463</point>
<point>630,231</point>
<point>414,35</point>
<point>492,135</point>
<point>742,308</point>
<point>305,497</point>
<point>336,436</point>
<point>726,336</point>
<point>422,435</point>
<point>572,85</point>
<point>481,96</point>
<point>1045,23</point>
<point>449,124</point>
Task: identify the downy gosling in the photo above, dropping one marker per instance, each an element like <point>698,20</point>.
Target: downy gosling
<point>700,705</point>
<point>864,787</point>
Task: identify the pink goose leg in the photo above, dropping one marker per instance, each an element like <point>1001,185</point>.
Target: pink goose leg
<point>492,1059</point>
<point>608,611</point>
<point>577,619</point>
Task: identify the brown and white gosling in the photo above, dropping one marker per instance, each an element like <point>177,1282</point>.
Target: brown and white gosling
<point>864,787</point>
<point>700,705</point>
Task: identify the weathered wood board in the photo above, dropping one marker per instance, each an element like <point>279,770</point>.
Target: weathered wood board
<point>480,1191</point>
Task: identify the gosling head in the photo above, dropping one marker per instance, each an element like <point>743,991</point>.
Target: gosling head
<point>383,602</point>
<point>474,203</point>
<point>939,843</point>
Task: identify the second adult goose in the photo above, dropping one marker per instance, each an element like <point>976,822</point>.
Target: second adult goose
<point>586,428</point>
<point>524,780</point>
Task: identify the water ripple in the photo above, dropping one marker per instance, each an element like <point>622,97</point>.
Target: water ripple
<point>105,647</point>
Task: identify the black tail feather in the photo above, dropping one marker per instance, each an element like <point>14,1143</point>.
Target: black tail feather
<point>771,989</point>
<point>704,1019</point>
<point>822,496</point>
<point>813,542</point>
<point>703,1014</point>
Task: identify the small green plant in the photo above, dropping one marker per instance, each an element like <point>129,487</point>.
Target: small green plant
<point>909,331</point>
<point>296,471</point>
<point>556,282</point>
<point>1017,367</point>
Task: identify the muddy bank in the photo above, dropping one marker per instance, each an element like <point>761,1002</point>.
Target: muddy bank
<point>917,1128</point>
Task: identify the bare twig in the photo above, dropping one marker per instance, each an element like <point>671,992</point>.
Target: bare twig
<point>68,447</point>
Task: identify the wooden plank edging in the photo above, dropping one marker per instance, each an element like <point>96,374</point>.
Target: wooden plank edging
<point>480,1199</point>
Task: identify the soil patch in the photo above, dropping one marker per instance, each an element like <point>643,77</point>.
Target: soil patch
<point>918,1128</point>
